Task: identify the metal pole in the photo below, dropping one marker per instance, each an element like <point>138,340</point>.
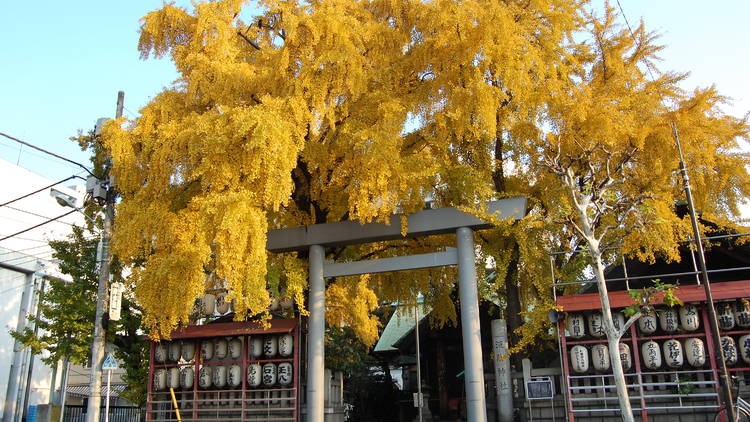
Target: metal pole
<point>106,409</point>
<point>476,410</point>
<point>419,364</point>
<point>724,373</point>
<point>315,337</point>
<point>14,377</point>
<point>30,373</point>
<point>97,344</point>
<point>64,389</point>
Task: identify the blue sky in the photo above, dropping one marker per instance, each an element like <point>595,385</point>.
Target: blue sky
<point>63,62</point>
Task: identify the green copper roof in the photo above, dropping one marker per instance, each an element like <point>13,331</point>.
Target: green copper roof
<point>401,323</point>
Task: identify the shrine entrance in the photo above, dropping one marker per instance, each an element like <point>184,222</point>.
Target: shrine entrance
<point>314,239</point>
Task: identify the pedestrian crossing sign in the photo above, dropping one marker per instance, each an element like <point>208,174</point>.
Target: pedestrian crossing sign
<point>109,362</point>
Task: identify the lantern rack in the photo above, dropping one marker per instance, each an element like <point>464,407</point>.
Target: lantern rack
<point>209,400</point>
<point>655,391</point>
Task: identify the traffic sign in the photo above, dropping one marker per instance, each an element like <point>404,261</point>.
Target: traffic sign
<point>109,363</point>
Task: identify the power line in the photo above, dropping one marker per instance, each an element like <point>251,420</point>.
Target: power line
<point>29,258</point>
<point>47,152</point>
<point>40,224</point>
<point>39,190</point>
<point>39,215</point>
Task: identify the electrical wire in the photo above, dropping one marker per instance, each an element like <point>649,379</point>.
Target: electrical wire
<point>39,190</point>
<point>38,225</point>
<point>632,35</point>
<point>24,249</point>
<point>47,152</point>
<point>39,215</point>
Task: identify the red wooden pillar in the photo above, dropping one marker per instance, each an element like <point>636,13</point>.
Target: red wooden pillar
<point>566,369</point>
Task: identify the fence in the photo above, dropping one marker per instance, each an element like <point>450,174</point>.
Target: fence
<point>75,413</point>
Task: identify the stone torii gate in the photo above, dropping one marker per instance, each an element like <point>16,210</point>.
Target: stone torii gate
<point>316,238</point>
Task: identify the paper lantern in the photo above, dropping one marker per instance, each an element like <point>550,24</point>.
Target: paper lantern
<point>600,357</point>
<point>596,328</point>
<point>269,374</point>
<point>695,352</point>
<point>160,379</point>
<point>219,376</point>
<point>742,313</point>
<point>254,375</point>
<point>575,325</point>
<point>208,304</point>
<point>729,350</point>
<point>220,348</point>
<point>234,376</point>
<point>285,374</point>
<point>651,354</point>
<point>579,358</point>
<point>204,377</point>
<point>286,344</point>
<point>725,316</point>
<point>647,323</point>
<point>235,348</point>
<point>174,351</point>
<point>618,320</point>
<point>160,352</point>
<point>270,346</point>
<point>744,345</point>
<point>689,318</point>
<point>188,350</point>
<point>256,347</point>
<point>222,304</point>
<point>173,377</point>
<point>187,377</point>
<point>673,355</point>
<point>668,319</point>
<point>626,358</point>
<point>207,349</point>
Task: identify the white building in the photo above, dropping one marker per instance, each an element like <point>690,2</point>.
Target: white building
<point>24,259</point>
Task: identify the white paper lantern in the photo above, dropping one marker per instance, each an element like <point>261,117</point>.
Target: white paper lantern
<point>220,348</point>
<point>269,374</point>
<point>174,350</point>
<point>575,325</point>
<point>673,355</point>
<point>234,376</point>
<point>254,375</point>
<point>173,377</point>
<point>235,348</point>
<point>725,316</point>
<point>222,304</point>
<point>744,346</point>
<point>729,350</point>
<point>596,328</point>
<point>742,313</point>
<point>669,320</point>
<point>160,379</point>
<point>204,377</point>
<point>651,354</point>
<point>600,357</point>
<point>208,304</point>
<point>286,344</point>
<point>219,376</point>
<point>256,347</point>
<point>187,378</point>
<point>188,350</point>
<point>579,358</point>
<point>285,374</point>
<point>160,352</point>
<point>270,346</point>
<point>647,323</point>
<point>689,318</point>
<point>207,349</point>
<point>625,356</point>
<point>618,320</point>
<point>695,352</point>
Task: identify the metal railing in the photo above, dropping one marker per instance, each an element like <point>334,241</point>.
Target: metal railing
<point>77,413</point>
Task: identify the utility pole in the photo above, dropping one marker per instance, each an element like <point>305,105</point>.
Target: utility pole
<point>102,189</point>
<point>726,386</point>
